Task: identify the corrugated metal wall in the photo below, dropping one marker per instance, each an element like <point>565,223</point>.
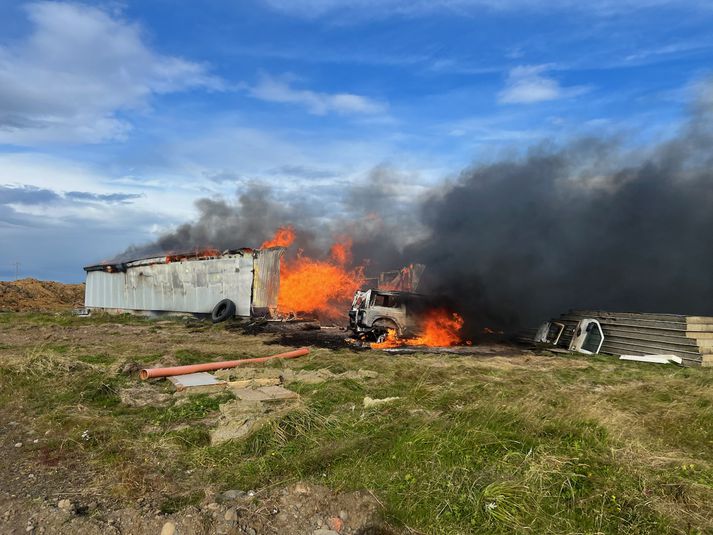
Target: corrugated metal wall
<point>266,281</point>
<point>186,286</point>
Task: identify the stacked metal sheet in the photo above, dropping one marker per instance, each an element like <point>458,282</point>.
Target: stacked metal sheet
<point>630,333</point>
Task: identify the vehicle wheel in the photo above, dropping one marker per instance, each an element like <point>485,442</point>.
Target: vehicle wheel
<point>224,310</point>
<point>380,336</point>
<point>381,329</point>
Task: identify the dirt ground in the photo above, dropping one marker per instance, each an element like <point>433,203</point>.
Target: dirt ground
<point>45,489</point>
<point>34,295</point>
<point>481,442</point>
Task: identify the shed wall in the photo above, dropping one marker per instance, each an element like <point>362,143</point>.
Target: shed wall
<point>186,286</point>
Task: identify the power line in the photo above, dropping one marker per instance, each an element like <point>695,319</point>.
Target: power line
<point>17,269</point>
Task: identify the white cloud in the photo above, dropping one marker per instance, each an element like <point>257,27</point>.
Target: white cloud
<point>528,84</point>
<point>68,79</point>
<point>77,191</point>
<point>279,90</point>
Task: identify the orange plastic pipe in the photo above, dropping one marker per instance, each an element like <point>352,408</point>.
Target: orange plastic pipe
<point>148,373</point>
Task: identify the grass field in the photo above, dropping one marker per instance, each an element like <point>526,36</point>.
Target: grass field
<point>521,443</point>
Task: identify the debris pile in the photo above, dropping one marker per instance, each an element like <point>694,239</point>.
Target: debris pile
<point>688,338</point>
<point>252,408</point>
<point>260,396</point>
<point>30,295</point>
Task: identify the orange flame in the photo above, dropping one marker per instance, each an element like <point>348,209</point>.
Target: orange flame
<point>198,253</point>
<point>321,287</point>
<point>439,328</point>
<point>341,252</point>
<point>284,237</point>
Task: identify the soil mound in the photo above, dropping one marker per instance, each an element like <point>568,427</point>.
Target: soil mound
<point>29,295</point>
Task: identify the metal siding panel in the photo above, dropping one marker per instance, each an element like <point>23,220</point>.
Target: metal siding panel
<point>190,286</point>
<point>266,279</point>
<point>244,285</point>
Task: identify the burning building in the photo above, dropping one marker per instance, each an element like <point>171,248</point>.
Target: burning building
<point>200,283</point>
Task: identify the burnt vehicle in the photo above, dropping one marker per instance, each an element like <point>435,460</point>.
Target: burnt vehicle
<point>375,312</point>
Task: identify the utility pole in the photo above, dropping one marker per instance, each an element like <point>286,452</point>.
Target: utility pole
<point>17,269</point>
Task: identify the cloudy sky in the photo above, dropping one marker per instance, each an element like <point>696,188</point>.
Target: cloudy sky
<point>116,116</point>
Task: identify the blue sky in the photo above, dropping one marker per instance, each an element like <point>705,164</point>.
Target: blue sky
<point>115,116</point>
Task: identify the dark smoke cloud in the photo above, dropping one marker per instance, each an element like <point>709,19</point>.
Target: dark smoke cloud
<point>514,242</point>
<point>372,214</point>
<point>222,224</point>
<point>518,241</point>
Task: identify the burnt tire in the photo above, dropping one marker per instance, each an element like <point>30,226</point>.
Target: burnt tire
<point>381,328</point>
<point>222,311</point>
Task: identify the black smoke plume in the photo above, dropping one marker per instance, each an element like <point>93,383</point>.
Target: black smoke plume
<point>586,225</point>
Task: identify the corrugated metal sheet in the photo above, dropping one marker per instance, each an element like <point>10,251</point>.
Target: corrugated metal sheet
<point>628,333</point>
<point>266,281</point>
<point>191,285</point>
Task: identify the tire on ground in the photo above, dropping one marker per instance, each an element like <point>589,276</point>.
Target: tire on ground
<point>222,311</point>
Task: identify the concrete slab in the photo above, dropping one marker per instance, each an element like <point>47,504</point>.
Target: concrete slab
<point>265,393</point>
<point>196,380</point>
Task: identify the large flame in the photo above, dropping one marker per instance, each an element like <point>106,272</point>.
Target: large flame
<point>284,237</point>
<point>438,328</point>
<point>321,287</point>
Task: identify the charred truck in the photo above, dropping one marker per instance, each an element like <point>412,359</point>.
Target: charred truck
<point>389,304</point>
<point>375,312</point>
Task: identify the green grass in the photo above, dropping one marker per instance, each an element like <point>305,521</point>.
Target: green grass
<point>554,445</point>
<point>101,358</point>
<point>192,356</point>
<point>68,319</point>
<point>196,406</point>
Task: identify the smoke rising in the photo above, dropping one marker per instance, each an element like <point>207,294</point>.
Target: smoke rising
<point>374,214</point>
<point>579,227</point>
<point>585,225</point>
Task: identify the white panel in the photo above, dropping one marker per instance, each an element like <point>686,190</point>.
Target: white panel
<point>188,286</point>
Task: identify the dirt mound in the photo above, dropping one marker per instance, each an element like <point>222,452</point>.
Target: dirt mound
<point>28,295</point>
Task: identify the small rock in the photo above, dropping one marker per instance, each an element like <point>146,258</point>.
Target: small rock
<point>130,368</point>
<point>251,531</point>
<point>18,444</point>
<point>231,515</point>
<point>212,506</point>
<point>65,505</point>
<point>169,528</point>
<point>335,523</point>
<point>343,515</point>
<point>369,402</point>
<point>36,441</point>
<point>233,494</point>
<point>301,488</point>
<point>324,532</point>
